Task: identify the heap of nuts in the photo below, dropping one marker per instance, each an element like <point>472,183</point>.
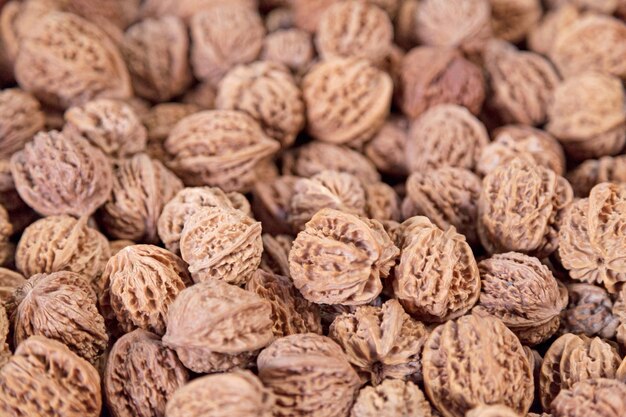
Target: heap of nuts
<point>312,208</point>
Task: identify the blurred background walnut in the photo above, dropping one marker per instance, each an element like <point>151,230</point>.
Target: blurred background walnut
<point>271,203</point>
<point>387,148</point>
<point>511,20</point>
<point>391,398</point>
<point>589,312</point>
<point>20,118</point>
<point>381,202</point>
<point>9,281</point>
<point>6,230</point>
<point>185,9</point>
<point>595,397</point>
<point>202,95</point>
<point>595,171</point>
<point>496,410</point>
<point>290,47</point>
<point>542,37</point>
<point>275,257</point>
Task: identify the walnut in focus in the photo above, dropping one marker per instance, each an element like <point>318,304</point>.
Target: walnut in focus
<point>387,147</point>
<point>20,118</point>
<point>392,398</point>
<point>511,20</point>
<point>271,203</point>
<point>589,312</point>
<point>595,171</point>
<point>275,256</point>
<point>600,397</point>
<point>290,47</point>
<point>9,282</point>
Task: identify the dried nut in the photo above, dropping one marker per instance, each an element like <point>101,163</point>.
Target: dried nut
<point>587,116</point>
<point>110,125</point>
<point>61,306</point>
<point>592,237</point>
<point>307,13</point>
<point>448,196</point>
<point>438,75</point>
<point>290,364</point>
<point>291,313</point>
<point>9,198</point>
<point>119,13</point>
<point>20,118</point>
<point>347,100</point>
<point>186,9</point>
<point>476,361</point>
<point>589,312</point>
<point>387,148</point>
<point>542,37</point>
<point>202,95</point>
<point>521,83</point>
<point>595,171</point>
<point>60,174</point>
<point>523,293</point>
<point>445,135</point>
<point>406,24</point>
<point>381,202</point>
<point>65,60</point>
<point>275,257</point>
<point>392,398</point>
<point>497,410</point>
<point>220,148</point>
<point>520,209</point>
<point>140,283</point>
<point>511,20</point>
<point>437,277</point>
<point>290,47</point>
<point>228,328</point>
<point>619,311</point>
<point>268,92</point>
<point>5,351</point>
<point>9,281</point>
<point>6,230</point>
<point>595,397</point>
<point>162,118</point>
<point>223,37</point>
<point>341,258</point>
<point>271,203</point>
<point>381,342</point>
<point>279,17</point>
<point>117,245</point>
<point>156,53</point>
<point>237,393</point>
<point>45,378</point>
<point>598,6</point>
<point>525,142</point>
<point>573,358</point>
<point>141,375</point>
<point>221,243</point>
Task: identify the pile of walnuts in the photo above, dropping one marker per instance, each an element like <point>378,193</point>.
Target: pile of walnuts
<point>312,208</point>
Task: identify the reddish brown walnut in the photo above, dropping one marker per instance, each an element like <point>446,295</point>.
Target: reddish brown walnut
<point>387,148</point>
<point>275,257</point>
<point>511,20</point>
<point>392,398</point>
<point>271,203</point>
<point>228,328</point>
<point>290,47</point>
<point>595,171</point>
<point>589,312</point>
<point>20,118</point>
<point>596,397</point>
<point>9,281</point>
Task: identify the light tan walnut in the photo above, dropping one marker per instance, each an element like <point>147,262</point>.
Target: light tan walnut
<point>392,398</point>
<point>202,95</point>
<point>280,18</point>
<point>595,171</point>
<point>290,47</point>
<point>542,37</point>
<point>186,9</point>
<point>6,230</point>
<point>381,202</point>
<point>600,397</point>
<point>275,256</point>
<point>496,410</point>
<point>20,118</point>
<point>511,20</point>
<point>9,282</point>
<point>589,312</point>
<point>387,148</point>
<point>271,203</point>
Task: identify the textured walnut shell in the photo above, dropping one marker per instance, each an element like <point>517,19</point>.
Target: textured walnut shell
<point>9,282</point>
<point>275,256</point>
<point>381,202</point>
<point>595,171</point>
<point>599,397</point>
<point>120,13</point>
<point>60,174</point>
<point>268,92</point>
<point>310,376</point>
<point>347,100</point>
<point>214,326</point>
<point>162,118</point>
<point>65,60</point>
<point>220,148</point>
<point>445,135</point>
<point>589,312</point>
<point>44,378</point>
<point>20,118</point>
<point>141,375</point>
<point>387,148</point>
<point>140,283</point>
<point>271,203</point>
<point>476,361</point>
<point>571,359</point>
<point>520,209</point>
<point>186,9</point>
<point>511,20</point>
<point>61,306</point>
<point>437,75</point>
<point>221,243</point>
<point>237,393</point>
<point>542,37</point>
<point>392,398</point>
<point>290,47</point>
<point>340,258</point>
<point>497,410</point>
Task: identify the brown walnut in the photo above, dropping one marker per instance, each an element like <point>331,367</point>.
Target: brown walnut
<point>589,312</point>
<point>271,203</point>
<point>275,256</point>
<point>290,47</point>
<point>392,398</point>
<point>599,397</point>
<point>595,171</point>
<point>511,20</point>
<point>387,148</point>
<point>9,282</point>
<point>20,118</point>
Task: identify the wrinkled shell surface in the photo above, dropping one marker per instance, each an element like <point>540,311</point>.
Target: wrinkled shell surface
<point>392,398</point>
<point>20,118</point>
<point>9,281</point>
<point>387,148</point>
<point>290,47</point>
<point>511,20</point>
<point>589,312</point>
<point>275,257</point>
<point>597,397</point>
<point>595,171</point>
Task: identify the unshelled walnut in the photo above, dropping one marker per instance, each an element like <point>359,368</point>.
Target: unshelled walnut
<point>599,6</point>
<point>600,397</point>
<point>280,18</point>
<point>20,118</point>
<point>542,37</point>
<point>5,351</point>
<point>141,375</point>
<point>237,393</point>
<point>511,20</point>
<point>275,256</point>
<point>290,47</point>
<point>347,100</point>
<point>619,311</point>
<point>6,230</point>
<point>496,410</point>
<point>202,95</point>
<point>476,361</point>
<point>162,118</point>
<point>307,13</point>
<point>340,258</point>
<point>9,281</point>
<point>589,312</point>
<point>392,398</point>
<point>61,174</point>
<point>117,245</point>
<point>381,202</point>
<point>45,378</point>
<point>595,171</point>
<point>119,13</point>
<point>271,203</point>
<point>61,306</point>
<point>387,147</point>
<point>214,326</point>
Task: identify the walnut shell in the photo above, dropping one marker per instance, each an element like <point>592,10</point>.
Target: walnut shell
<point>117,245</point>
<point>202,95</point>
<point>141,375</point>
<point>20,118</point>
<point>6,230</point>
<point>44,378</point>
<point>476,361</point>
<point>392,398</point>
<point>511,20</point>
<point>387,148</point>
<point>275,256</point>
<point>9,282</point>
<point>290,365</point>
<point>598,6</point>
<point>381,202</point>
<point>271,203</point>
<point>497,410</point>
<point>589,312</point>
<point>596,397</point>
<point>290,47</point>
<point>186,9</point>
<point>162,118</point>
<point>120,13</point>
<point>60,174</point>
<point>595,171</point>
<point>215,327</point>
<point>542,37</point>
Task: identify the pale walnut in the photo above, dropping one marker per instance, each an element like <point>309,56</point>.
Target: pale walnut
<point>9,282</point>
<point>186,9</point>
<point>275,256</point>
<point>392,398</point>
<point>271,203</point>
<point>141,375</point>
<point>381,202</point>
<point>497,410</point>
<point>290,47</point>
<point>59,174</point>
<point>511,20</point>
<point>44,378</point>
<point>61,306</point>
<point>542,37</point>
<point>476,361</point>
<point>202,95</point>
<point>347,100</point>
<point>216,327</point>
<point>599,397</point>
<point>387,148</point>
<point>20,118</point>
<point>310,376</point>
<point>595,171</point>
<point>589,312</point>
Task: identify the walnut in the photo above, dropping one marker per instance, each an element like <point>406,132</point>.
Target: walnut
<point>237,393</point>
<point>227,328</point>
<point>202,95</point>
<point>392,398</point>
<point>595,171</point>
<point>436,278</point>
<point>596,397</point>
<point>619,311</point>
<point>572,358</point>
<point>186,9</point>
<point>340,258</point>
<point>381,202</point>
<point>275,256</point>
<point>445,135</point>
<point>589,312</point>
<point>219,148</point>
<point>271,203</point>
<point>387,148</point>
<point>438,75</point>
<point>268,92</point>
<point>511,20</point>
<point>307,13</point>
<point>61,174</point>
<point>279,18</point>
<point>497,410</point>
<point>520,209</point>
<point>347,100</point>
<point>598,6</point>
<point>587,116</point>
<point>6,230</point>
<point>326,389</point>
<point>290,47</point>
<point>476,361</point>
<point>138,286</point>
<point>141,375</point>
<point>223,37</point>
<point>120,13</point>
<point>9,281</point>
<point>44,378</point>
<point>162,118</point>
<point>117,245</point>
<point>20,118</point>
<point>61,306</point>
<point>542,37</point>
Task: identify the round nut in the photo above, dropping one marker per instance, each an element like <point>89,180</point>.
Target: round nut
<point>271,203</point>
<point>275,256</point>
<point>202,95</point>
<point>118,245</point>
<point>511,20</point>
<point>589,312</point>
<point>381,202</point>
<point>20,118</point>
<point>497,410</point>
<point>162,118</point>
<point>387,148</point>
<point>120,13</point>
<point>9,282</point>
<point>290,47</point>
<point>598,6</point>
<point>6,230</point>
<point>595,171</point>
<point>391,398</point>
<point>542,37</point>
<point>600,397</point>
<point>186,9</point>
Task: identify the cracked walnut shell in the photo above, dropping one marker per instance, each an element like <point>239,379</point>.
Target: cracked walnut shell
<point>20,118</point>
<point>601,397</point>
<point>392,398</point>
<point>595,171</point>
<point>589,312</point>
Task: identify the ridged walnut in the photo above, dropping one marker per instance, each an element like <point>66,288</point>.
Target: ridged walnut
<point>595,171</point>
<point>599,397</point>
<point>271,203</point>
<point>20,118</point>
<point>589,312</point>
<point>511,20</point>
